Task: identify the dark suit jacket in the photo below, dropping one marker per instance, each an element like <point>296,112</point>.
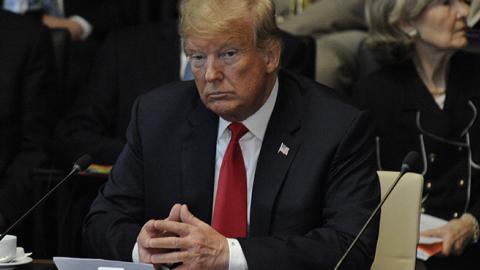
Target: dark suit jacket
<point>27,88</point>
<point>306,207</point>
<point>132,61</point>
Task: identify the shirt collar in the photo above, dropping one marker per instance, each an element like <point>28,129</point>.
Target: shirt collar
<point>257,122</point>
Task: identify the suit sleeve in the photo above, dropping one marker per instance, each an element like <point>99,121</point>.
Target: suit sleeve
<point>114,221</point>
<point>89,127</point>
<point>352,192</point>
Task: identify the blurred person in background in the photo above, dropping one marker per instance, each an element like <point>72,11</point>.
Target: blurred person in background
<point>82,18</point>
<point>428,100</point>
<point>131,62</point>
<point>27,94</point>
<point>88,22</point>
<point>338,28</point>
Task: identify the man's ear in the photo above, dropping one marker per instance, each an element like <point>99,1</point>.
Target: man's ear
<point>272,56</point>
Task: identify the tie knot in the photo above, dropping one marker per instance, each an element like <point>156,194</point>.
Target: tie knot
<point>238,130</point>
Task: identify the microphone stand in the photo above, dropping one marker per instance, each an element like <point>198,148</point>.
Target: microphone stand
<point>390,189</point>
<point>410,160</point>
<point>80,165</point>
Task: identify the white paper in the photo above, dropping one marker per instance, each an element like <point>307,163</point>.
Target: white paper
<point>421,255</point>
<point>428,222</point>
<point>66,263</point>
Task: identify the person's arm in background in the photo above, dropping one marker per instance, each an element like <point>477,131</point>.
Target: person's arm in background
<point>324,16</point>
<point>93,18</point>
<point>78,27</point>
<point>89,127</point>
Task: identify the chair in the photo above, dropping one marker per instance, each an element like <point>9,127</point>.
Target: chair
<point>298,54</point>
<point>399,222</point>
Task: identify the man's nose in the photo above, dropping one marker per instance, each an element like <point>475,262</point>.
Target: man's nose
<point>213,70</point>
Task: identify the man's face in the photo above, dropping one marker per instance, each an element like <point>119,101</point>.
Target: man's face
<point>233,77</point>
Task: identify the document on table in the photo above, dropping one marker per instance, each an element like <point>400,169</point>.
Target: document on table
<point>429,246</point>
<point>67,263</point>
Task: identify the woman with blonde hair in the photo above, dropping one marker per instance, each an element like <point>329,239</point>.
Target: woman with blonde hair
<point>428,100</point>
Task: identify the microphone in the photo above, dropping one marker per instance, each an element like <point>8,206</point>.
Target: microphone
<point>409,163</point>
<point>81,164</point>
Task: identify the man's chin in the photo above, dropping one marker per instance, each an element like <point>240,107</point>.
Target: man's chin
<point>225,111</point>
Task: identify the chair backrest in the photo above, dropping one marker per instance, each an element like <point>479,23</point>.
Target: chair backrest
<point>399,222</point>
<point>298,54</point>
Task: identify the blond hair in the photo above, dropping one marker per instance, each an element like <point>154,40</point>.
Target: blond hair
<point>210,17</point>
<point>385,18</point>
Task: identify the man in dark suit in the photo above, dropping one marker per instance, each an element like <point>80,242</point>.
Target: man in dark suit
<point>297,177</point>
<point>27,90</point>
<point>131,62</point>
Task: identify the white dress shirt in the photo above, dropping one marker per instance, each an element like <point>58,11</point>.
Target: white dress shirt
<point>250,144</point>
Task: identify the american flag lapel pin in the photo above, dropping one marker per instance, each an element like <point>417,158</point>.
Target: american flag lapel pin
<point>283,149</point>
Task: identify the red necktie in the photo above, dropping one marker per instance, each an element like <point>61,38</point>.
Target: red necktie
<point>230,214</point>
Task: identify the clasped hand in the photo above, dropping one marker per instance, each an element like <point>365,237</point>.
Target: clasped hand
<point>182,238</point>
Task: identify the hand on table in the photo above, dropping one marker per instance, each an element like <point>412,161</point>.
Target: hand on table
<point>183,238</point>
<point>456,234</point>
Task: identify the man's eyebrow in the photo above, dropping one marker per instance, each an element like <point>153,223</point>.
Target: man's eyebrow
<point>229,43</point>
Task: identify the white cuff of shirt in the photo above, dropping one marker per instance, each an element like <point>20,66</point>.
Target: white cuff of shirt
<point>84,24</point>
<point>135,256</point>
<point>236,258</point>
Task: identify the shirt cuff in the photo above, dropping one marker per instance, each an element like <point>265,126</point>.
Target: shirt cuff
<point>236,258</point>
<point>84,24</point>
<point>135,257</point>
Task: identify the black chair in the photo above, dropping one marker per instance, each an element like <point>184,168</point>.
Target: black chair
<point>299,54</point>
<point>61,41</point>
<point>57,224</point>
<point>61,44</point>
<point>473,36</point>
<point>157,11</point>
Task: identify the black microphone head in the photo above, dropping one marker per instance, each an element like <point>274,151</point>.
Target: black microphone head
<point>410,162</point>
<point>83,162</point>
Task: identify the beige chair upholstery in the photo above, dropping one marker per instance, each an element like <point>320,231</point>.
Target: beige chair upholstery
<point>399,222</point>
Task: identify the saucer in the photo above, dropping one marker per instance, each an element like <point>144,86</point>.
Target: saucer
<point>20,261</point>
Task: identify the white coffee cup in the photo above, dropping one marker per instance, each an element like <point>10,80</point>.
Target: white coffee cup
<point>8,248</point>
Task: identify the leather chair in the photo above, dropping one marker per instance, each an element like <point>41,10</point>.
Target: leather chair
<point>399,222</point>
<point>298,54</point>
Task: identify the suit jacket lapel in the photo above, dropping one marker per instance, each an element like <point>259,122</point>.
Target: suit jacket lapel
<point>273,165</point>
<point>198,162</point>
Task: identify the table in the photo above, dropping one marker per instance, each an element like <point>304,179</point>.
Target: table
<point>38,265</point>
